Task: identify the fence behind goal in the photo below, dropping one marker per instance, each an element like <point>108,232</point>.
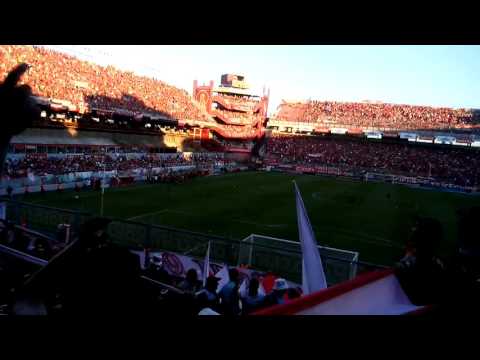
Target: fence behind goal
<point>264,252</point>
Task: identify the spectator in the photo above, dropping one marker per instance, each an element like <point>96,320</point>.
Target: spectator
<point>190,284</point>
<point>421,273</point>
<point>294,293</point>
<point>21,241</point>
<point>157,271</point>
<point>463,293</point>
<point>93,275</point>
<point>207,297</point>
<point>468,243</point>
<point>229,295</point>
<point>277,296</point>
<point>42,249</point>
<point>252,300</point>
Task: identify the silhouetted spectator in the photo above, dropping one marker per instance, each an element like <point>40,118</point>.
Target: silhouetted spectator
<point>42,249</point>
<point>293,293</point>
<point>277,296</point>
<point>93,275</point>
<point>21,240</point>
<point>158,272</point>
<point>190,285</point>
<point>421,273</point>
<point>207,297</point>
<point>463,283</point>
<point>252,300</point>
<point>229,296</point>
<point>16,103</point>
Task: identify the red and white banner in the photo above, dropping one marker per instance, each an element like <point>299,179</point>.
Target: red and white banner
<point>374,293</point>
<point>177,265</point>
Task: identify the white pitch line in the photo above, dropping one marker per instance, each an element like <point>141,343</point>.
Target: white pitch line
<point>257,224</point>
<point>196,215</point>
<point>149,214</point>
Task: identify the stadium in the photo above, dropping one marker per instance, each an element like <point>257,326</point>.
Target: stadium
<point>206,181</point>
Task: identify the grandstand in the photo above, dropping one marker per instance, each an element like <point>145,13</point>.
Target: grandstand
<point>357,117</point>
<point>447,164</point>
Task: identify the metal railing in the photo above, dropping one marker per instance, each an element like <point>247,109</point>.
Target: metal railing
<point>136,235</point>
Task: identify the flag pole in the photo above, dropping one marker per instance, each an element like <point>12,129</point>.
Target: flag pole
<point>206,265</point>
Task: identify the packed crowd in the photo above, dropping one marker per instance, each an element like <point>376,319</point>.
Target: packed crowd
<point>175,177</point>
<point>230,299</point>
<point>235,116</point>
<point>86,85</point>
<point>379,115</point>
<point>82,87</point>
<point>234,144</point>
<point>457,166</point>
<point>237,102</point>
<point>236,132</point>
<point>41,166</point>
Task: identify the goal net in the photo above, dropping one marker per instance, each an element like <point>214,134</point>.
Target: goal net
<point>284,258</point>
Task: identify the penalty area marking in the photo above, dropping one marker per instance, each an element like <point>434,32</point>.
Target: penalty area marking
<point>161,212</point>
<point>148,214</point>
<point>190,214</point>
<point>257,224</point>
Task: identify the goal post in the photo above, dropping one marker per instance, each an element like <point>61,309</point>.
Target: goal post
<point>284,257</point>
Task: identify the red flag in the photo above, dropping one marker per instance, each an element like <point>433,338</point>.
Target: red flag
<point>267,282</point>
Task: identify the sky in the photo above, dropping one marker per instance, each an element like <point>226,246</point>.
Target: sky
<point>416,75</point>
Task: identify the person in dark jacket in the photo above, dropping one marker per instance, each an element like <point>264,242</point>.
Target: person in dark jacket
<point>229,294</point>
<point>463,283</point>
<point>190,284</point>
<point>420,272</point>
<point>277,296</point>
<point>252,300</point>
<point>207,297</point>
<point>106,278</point>
<point>93,276</point>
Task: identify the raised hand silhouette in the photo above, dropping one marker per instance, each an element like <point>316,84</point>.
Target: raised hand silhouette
<point>18,109</point>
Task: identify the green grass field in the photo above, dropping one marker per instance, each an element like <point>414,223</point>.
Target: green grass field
<point>344,214</point>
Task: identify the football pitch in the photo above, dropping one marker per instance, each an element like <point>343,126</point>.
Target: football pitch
<point>372,218</point>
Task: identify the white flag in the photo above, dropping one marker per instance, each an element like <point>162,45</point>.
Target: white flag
<point>313,276</point>
<point>243,289</point>
<point>206,265</point>
<point>224,278</point>
<point>261,290</point>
